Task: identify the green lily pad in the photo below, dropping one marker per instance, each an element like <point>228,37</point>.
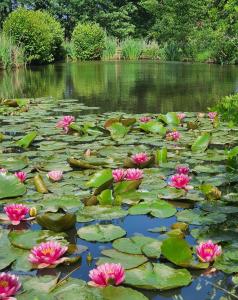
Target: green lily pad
<point>158,209</point>
<point>10,186</point>
<point>157,276</point>
<point>201,143</point>
<point>128,261</point>
<point>14,164</point>
<point>56,222</point>
<point>119,293</point>
<point>97,212</point>
<point>153,127</point>
<point>27,239</point>
<point>101,233</point>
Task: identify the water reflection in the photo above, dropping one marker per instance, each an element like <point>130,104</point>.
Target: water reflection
<point>143,86</point>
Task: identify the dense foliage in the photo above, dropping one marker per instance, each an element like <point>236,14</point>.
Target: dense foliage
<point>197,30</point>
<point>228,108</point>
<point>39,33</point>
<point>88,41</point>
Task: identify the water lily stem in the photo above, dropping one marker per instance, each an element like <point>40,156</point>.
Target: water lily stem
<point>224,290</point>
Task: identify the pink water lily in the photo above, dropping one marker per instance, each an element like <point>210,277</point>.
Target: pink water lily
<point>16,212</point>
<point>140,158</point>
<point>208,251</point>
<point>118,175</point>
<point>55,175</point>
<point>134,174</point>
<point>21,176</point>
<point>107,274</point>
<point>212,115</point>
<point>181,116</point>
<point>179,181</point>
<point>3,171</point>
<point>173,136</point>
<point>9,286</point>
<point>145,119</point>
<point>182,170</point>
<point>65,122</point>
<point>48,254</point>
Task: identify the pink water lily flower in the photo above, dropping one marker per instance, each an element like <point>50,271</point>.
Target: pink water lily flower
<point>3,171</point>
<point>181,116</point>
<point>208,251</point>
<point>48,254</point>
<point>134,174</point>
<point>9,285</point>
<point>65,122</point>
<point>107,274</point>
<point>145,119</point>
<point>140,158</point>
<point>118,175</point>
<point>173,136</point>
<point>179,181</point>
<point>212,115</point>
<point>55,175</point>
<point>16,212</point>
<point>182,170</point>
<point>21,176</point>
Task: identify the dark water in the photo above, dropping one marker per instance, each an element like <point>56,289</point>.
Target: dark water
<point>141,86</point>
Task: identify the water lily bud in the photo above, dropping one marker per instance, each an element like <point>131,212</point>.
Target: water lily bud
<point>89,258</point>
<point>33,212</point>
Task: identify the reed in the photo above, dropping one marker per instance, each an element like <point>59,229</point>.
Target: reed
<point>11,55</point>
<point>131,48</point>
<point>110,48</point>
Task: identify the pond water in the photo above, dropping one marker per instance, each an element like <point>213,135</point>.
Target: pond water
<point>140,86</point>
<point>129,87</point>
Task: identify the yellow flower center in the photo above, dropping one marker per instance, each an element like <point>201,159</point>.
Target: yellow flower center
<point>47,251</point>
<point>3,283</point>
<point>208,250</point>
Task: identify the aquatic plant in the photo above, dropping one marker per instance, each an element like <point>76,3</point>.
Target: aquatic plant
<point>145,119</point>
<point>212,115</point>
<point>110,48</point>
<point>208,251</point>
<point>21,175</point>
<point>3,170</point>
<point>65,122</point>
<point>16,212</point>
<point>55,175</point>
<point>9,286</point>
<point>179,181</point>
<point>106,274</point>
<point>140,158</point>
<point>48,254</point>
<point>134,174</point>
<point>118,175</point>
<point>131,48</point>
<point>173,136</point>
<point>181,116</point>
<point>182,170</point>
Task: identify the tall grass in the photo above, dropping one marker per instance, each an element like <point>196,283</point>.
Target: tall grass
<point>151,50</point>
<point>131,48</point>
<point>11,55</point>
<point>110,48</point>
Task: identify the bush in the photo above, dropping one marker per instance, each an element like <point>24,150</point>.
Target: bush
<point>131,48</point>
<point>110,48</point>
<point>89,41</point>
<point>227,107</point>
<point>11,55</point>
<point>39,33</point>
<point>152,50</point>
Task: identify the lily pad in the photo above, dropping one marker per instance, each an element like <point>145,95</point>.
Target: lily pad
<point>101,233</point>
<point>10,186</point>
<point>157,276</point>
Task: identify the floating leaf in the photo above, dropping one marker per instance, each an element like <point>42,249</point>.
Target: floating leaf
<point>27,140</point>
<point>128,261</point>
<point>153,127</point>
<point>201,143</point>
<point>56,221</point>
<point>157,276</point>
<point>10,186</point>
<point>101,233</point>
<point>97,212</point>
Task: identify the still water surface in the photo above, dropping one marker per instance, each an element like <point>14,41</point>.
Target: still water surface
<point>140,86</point>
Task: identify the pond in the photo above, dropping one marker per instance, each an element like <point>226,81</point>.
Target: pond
<point>209,209</point>
<point>140,86</point>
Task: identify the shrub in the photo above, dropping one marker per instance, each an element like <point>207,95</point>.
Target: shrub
<point>110,48</point>
<point>69,52</point>
<point>89,41</point>
<point>39,33</point>
<point>227,107</point>
<point>131,48</point>
<point>151,50</point>
<point>11,55</point>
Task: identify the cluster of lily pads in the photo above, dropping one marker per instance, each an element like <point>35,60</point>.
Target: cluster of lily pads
<point>58,172</point>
